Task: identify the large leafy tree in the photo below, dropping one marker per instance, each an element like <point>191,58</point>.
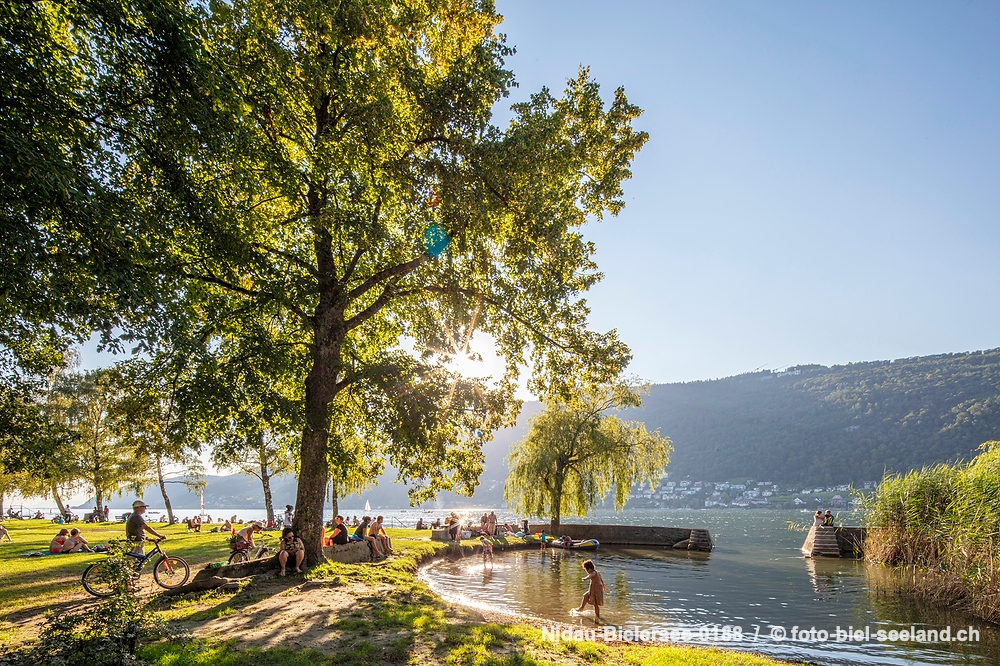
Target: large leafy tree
<point>74,255</point>
<point>576,453</point>
<point>348,141</point>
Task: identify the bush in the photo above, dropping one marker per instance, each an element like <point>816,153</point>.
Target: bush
<point>103,634</point>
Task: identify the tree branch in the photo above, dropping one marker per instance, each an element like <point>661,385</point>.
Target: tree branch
<point>393,271</point>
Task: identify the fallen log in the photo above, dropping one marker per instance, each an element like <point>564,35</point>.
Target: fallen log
<point>207,583</point>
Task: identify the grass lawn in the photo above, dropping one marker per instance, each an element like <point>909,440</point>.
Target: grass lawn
<point>350,614</point>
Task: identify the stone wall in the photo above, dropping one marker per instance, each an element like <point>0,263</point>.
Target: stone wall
<point>633,535</point>
<point>348,553</point>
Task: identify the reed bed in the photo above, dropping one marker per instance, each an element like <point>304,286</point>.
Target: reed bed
<point>941,527</point>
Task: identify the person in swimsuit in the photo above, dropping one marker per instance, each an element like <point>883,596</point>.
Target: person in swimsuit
<point>56,545</point>
<point>487,550</point>
<point>595,595</point>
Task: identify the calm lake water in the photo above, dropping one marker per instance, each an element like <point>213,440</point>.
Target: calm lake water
<point>755,579</point>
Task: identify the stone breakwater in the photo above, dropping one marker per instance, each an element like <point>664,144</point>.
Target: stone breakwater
<point>680,538</point>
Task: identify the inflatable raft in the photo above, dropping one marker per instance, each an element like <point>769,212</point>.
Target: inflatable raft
<point>585,544</point>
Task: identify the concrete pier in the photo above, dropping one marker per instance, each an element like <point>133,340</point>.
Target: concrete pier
<point>842,541</point>
<point>634,535</point>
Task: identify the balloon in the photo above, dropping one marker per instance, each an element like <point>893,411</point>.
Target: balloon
<point>435,240</point>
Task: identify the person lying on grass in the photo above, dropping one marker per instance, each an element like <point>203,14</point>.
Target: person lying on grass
<point>291,548</point>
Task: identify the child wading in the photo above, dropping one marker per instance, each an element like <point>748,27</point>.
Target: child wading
<point>595,595</point>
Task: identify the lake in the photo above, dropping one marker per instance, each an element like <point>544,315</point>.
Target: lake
<point>755,580</point>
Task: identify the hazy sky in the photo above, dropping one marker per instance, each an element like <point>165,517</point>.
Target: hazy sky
<point>821,184</point>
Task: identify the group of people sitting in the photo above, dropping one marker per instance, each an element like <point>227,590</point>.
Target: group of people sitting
<point>368,531</point>
<point>69,541</point>
<point>823,520</point>
<point>290,547</point>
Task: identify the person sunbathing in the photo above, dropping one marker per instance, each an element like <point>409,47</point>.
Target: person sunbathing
<point>76,543</point>
<point>56,545</point>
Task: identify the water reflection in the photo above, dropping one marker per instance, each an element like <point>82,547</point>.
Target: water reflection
<point>756,579</point>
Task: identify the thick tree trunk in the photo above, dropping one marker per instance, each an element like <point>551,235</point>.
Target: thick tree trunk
<point>58,500</point>
<point>163,489</point>
<point>314,466</point>
<point>99,501</point>
<point>309,498</point>
<point>329,331</point>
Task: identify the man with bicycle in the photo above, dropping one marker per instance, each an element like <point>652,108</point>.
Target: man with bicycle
<point>136,528</point>
<point>244,538</point>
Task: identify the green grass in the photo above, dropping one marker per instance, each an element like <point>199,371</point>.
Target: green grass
<point>394,618</point>
<point>32,584</point>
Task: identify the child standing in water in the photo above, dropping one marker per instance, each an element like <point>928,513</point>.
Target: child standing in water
<point>595,595</point>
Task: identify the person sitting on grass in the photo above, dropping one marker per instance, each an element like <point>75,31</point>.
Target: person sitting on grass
<point>56,545</point>
<point>4,534</point>
<point>378,532</point>
<point>76,543</point>
<point>291,548</point>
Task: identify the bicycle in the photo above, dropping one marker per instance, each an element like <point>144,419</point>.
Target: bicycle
<point>242,555</point>
<point>169,572</point>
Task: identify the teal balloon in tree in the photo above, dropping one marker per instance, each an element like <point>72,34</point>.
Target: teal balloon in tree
<point>435,240</point>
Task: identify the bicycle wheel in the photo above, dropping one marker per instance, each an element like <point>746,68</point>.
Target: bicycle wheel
<point>171,572</point>
<point>94,582</point>
<point>239,557</point>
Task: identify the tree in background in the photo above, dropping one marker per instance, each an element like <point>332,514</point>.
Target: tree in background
<point>575,454</point>
<point>150,422</point>
<point>259,452</point>
<point>96,459</point>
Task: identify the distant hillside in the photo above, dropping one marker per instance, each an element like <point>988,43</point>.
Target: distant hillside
<point>818,425</point>
<point>810,425</point>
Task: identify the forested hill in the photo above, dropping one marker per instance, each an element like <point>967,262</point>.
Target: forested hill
<point>819,425</point>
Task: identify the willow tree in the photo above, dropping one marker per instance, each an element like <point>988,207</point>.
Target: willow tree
<point>576,453</point>
<point>335,167</point>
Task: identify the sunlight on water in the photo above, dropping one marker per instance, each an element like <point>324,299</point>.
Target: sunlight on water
<point>756,580</point>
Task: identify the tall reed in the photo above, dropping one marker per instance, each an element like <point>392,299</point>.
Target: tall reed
<point>942,524</point>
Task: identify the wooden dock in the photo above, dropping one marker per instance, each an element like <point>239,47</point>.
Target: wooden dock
<point>840,541</point>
